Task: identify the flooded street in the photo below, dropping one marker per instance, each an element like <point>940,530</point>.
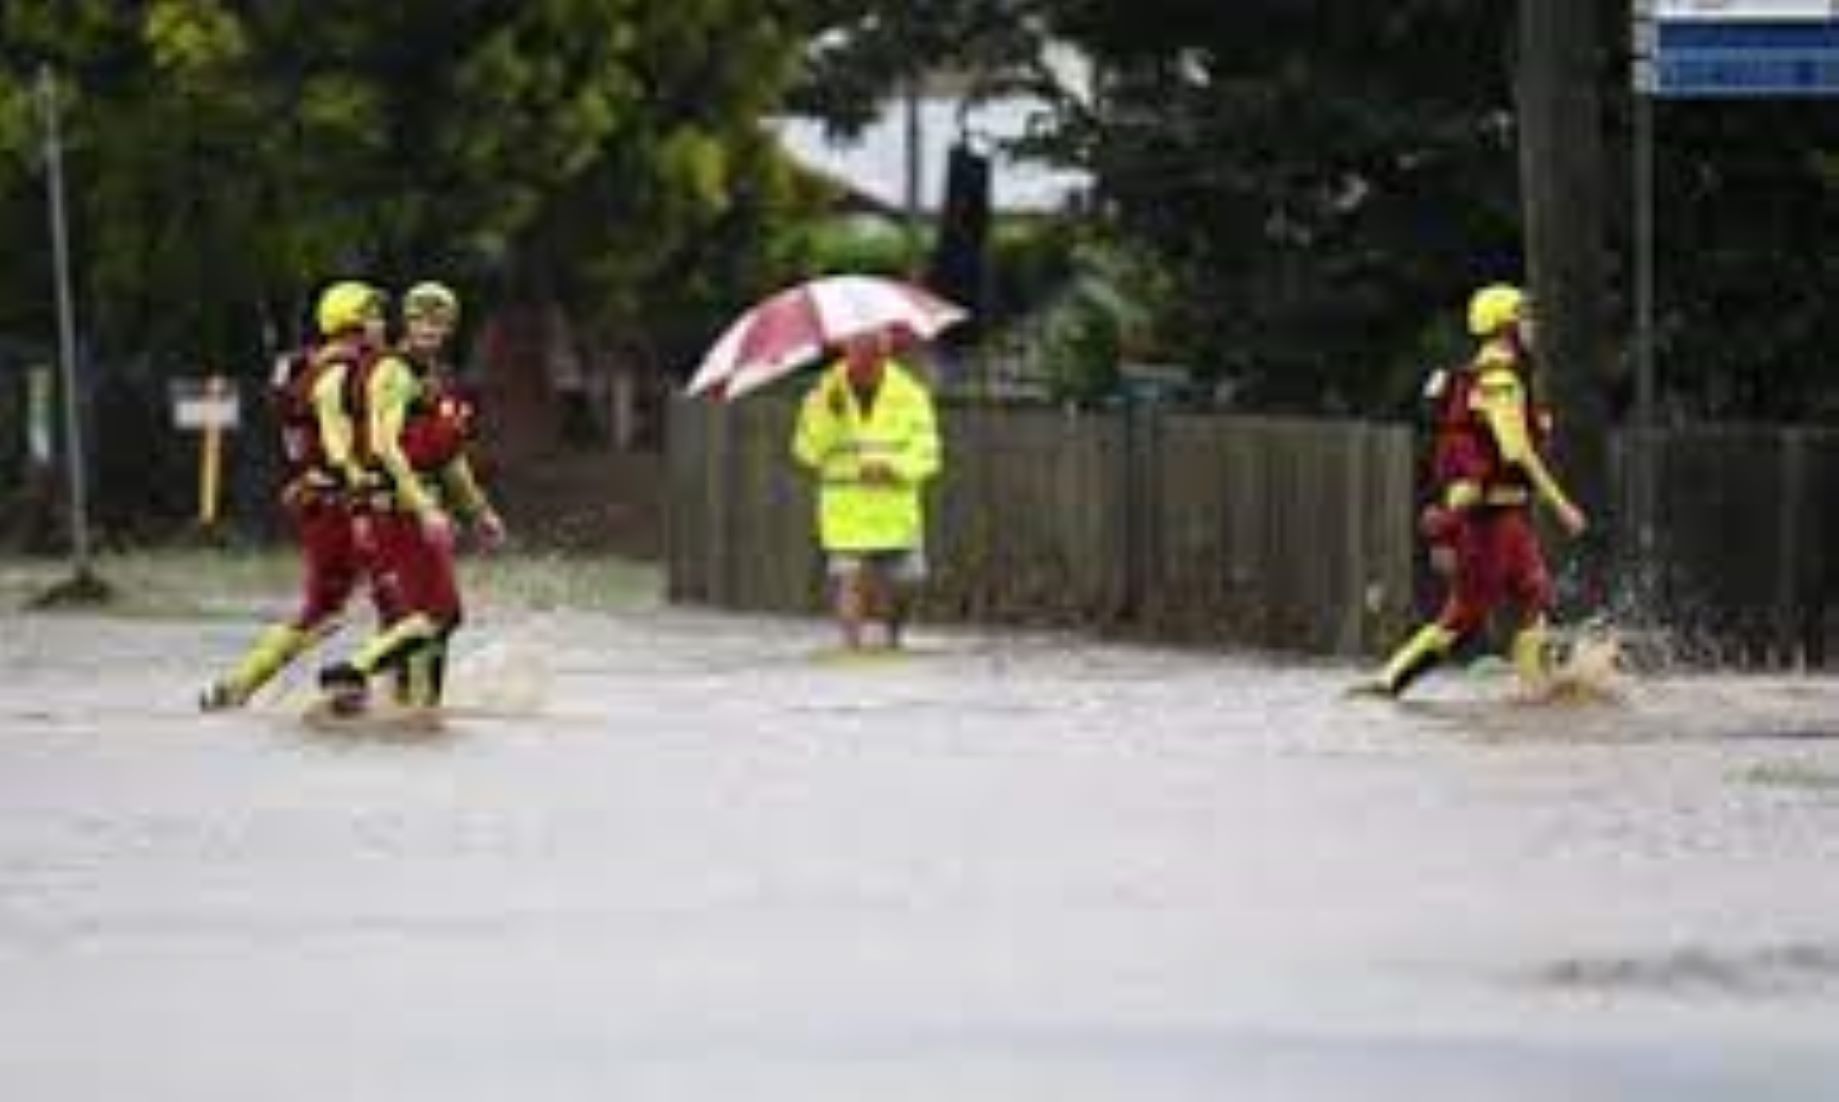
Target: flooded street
<point>671,855</point>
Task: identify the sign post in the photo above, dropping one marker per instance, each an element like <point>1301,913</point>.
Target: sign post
<point>208,407</point>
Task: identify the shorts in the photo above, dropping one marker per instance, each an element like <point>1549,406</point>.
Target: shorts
<point>904,565</point>
<point>332,563</point>
<point>1498,563</point>
<point>410,572</point>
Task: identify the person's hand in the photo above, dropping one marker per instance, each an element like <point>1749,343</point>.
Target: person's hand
<point>489,527</point>
<point>878,472</point>
<point>1443,560</point>
<point>1572,519</point>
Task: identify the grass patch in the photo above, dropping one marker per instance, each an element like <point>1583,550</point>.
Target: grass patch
<point>582,582</point>
<point>196,583</point>
<point>1793,774</point>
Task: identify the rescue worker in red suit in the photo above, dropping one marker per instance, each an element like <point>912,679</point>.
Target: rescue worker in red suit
<point>318,440</point>
<point>1488,469</point>
<point>413,430</point>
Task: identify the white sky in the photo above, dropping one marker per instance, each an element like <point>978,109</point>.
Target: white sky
<point>876,163</point>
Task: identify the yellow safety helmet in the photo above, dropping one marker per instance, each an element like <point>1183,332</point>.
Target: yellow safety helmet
<point>347,304</point>
<point>432,300</point>
<point>1494,308</point>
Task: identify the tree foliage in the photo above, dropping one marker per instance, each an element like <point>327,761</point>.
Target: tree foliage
<point>1747,207</point>
<point>228,157</point>
<point>1324,182</point>
<point>1318,184</point>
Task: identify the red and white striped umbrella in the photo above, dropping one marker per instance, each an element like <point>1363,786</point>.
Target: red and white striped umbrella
<point>794,326</point>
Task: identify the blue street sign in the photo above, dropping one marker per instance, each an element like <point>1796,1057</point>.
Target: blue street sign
<point>1736,56</point>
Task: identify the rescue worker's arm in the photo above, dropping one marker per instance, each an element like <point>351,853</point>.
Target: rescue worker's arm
<point>337,437</point>
<point>460,486</point>
<point>1501,398</point>
<point>390,391</point>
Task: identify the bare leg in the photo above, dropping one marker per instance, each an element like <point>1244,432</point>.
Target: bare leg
<point>899,603</point>
<point>877,598</point>
<point>851,606</point>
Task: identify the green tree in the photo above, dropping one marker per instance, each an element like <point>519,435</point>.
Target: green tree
<point>1325,182</point>
<point>230,157</point>
<point>1318,198</point>
<point>1316,183</point>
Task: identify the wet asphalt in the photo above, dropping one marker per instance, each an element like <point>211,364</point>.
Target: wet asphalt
<point>671,855</point>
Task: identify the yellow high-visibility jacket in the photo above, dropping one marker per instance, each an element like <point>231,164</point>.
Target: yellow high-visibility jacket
<point>834,439</point>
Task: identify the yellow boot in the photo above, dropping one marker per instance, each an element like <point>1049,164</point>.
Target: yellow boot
<point>346,684</point>
<point>277,646</point>
<point>420,674</point>
<point>1532,654</point>
<point>1427,646</point>
<point>395,643</point>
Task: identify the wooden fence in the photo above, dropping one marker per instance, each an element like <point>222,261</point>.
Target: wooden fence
<point>1281,533</point>
<point>1293,534</point>
<point>1738,569</point>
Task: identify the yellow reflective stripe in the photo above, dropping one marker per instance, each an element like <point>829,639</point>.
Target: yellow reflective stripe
<point>1506,495</point>
<point>860,447</point>
<point>1462,495</point>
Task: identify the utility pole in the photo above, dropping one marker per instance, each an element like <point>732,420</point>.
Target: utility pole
<point>83,586</point>
<point>915,155</point>
<point>1563,190</point>
<point>1645,437</point>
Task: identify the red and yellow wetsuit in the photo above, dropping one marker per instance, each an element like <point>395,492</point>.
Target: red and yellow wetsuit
<point>1488,470</point>
<point>318,442</point>
<point>413,432</point>
<point>308,391</point>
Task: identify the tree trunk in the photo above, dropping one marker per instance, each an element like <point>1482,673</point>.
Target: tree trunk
<point>1562,188</point>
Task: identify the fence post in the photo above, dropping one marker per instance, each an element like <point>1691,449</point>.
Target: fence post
<point>1790,503</point>
<point>673,505</point>
<point>1356,461</point>
<point>723,462</point>
<point>1140,467</point>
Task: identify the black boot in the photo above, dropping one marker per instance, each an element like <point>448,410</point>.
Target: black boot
<point>345,688</point>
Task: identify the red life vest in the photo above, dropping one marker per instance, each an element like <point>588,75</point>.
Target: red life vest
<point>1465,449</point>
<point>436,426</point>
<point>291,387</point>
<point>436,434</point>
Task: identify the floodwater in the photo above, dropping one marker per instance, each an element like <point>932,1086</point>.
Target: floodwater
<point>677,856</point>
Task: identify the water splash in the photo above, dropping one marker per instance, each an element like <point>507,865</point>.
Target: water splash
<point>1592,669</point>
<point>504,677</point>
